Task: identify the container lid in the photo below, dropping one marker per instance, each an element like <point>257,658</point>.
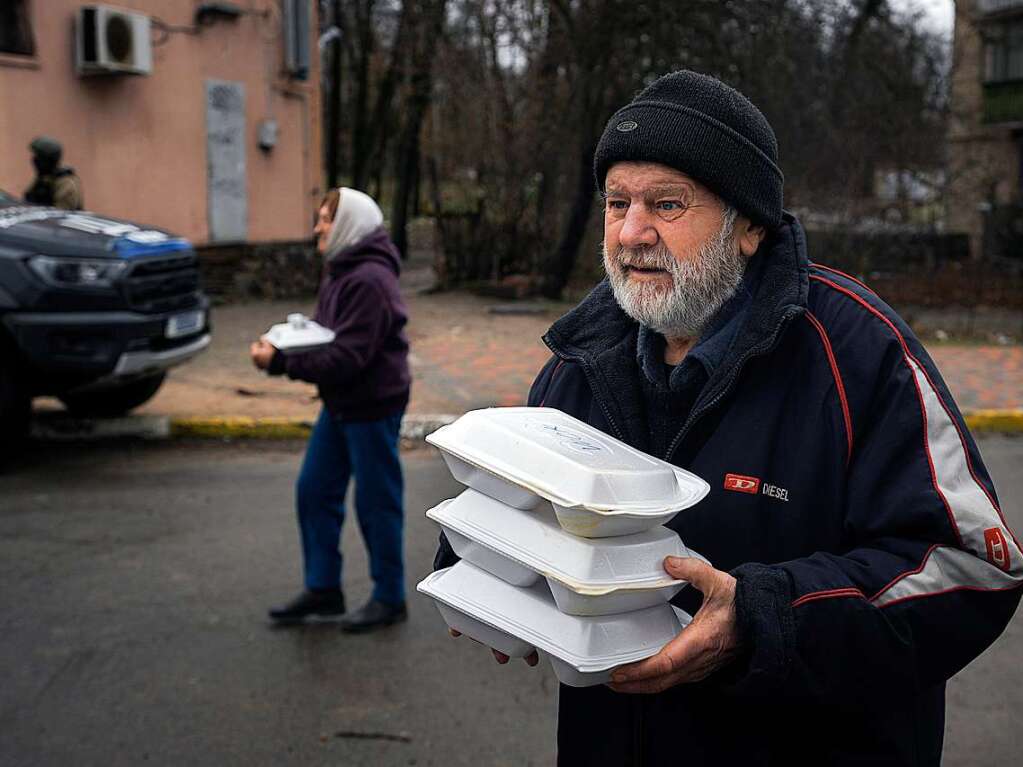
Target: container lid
<point>568,461</point>
<point>298,332</point>
<point>592,643</point>
<point>535,539</point>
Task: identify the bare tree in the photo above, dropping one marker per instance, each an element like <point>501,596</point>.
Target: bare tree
<point>426,24</point>
<point>507,100</point>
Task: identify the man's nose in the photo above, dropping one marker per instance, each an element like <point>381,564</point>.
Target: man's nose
<point>637,228</point>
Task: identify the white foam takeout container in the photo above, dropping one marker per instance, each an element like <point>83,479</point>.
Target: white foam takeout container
<point>586,576</point>
<point>514,620</point>
<point>298,334</point>
<point>599,486</point>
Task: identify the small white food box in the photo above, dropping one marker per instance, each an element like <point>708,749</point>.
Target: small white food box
<point>586,576</point>
<point>514,620</point>
<point>299,334</point>
<point>598,485</point>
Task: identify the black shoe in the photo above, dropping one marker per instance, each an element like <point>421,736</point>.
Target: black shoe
<point>373,615</point>
<point>326,604</point>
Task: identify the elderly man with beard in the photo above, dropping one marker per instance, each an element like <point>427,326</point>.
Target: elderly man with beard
<point>860,558</point>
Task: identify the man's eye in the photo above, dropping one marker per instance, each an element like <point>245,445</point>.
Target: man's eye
<point>617,204</point>
<point>669,206</point>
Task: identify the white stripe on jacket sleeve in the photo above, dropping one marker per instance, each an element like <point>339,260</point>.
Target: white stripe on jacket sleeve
<point>989,557</point>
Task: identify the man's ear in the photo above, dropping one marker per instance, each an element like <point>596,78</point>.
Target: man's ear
<point>748,235</point>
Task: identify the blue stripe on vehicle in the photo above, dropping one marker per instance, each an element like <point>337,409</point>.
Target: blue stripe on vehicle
<point>128,249</point>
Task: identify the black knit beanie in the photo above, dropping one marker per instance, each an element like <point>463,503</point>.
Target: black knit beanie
<point>705,129</point>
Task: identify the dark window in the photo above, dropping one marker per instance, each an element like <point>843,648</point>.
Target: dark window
<point>295,24</point>
<point>15,28</point>
<point>1004,52</point>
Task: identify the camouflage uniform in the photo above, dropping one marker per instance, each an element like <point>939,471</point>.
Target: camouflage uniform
<point>53,185</point>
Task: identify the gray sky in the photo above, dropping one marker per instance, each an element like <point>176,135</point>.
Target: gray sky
<point>939,13</point>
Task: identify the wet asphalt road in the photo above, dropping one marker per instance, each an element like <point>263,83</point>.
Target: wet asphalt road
<point>135,579</point>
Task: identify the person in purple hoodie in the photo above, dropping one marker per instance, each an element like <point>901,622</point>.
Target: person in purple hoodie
<point>363,379</point>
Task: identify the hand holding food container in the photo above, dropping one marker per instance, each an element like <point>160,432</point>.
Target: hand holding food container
<point>299,334</point>
<point>707,645</point>
<point>515,620</point>
<point>561,542</point>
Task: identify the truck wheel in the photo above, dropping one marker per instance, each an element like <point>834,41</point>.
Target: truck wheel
<point>115,401</point>
<point>15,411</point>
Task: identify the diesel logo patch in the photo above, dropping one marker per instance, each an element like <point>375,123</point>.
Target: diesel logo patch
<point>742,484</point>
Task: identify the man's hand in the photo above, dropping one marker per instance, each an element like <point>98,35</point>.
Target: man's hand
<point>262,352</point>
<point>704,646</point>
<point>531,660</point>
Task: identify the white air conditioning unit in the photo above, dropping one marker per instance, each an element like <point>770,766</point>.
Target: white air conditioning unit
<point>111,40</point>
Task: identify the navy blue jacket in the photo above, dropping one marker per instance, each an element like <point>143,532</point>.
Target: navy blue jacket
<point>848,499</point>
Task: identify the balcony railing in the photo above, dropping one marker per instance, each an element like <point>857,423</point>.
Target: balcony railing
<point>1003,102</point>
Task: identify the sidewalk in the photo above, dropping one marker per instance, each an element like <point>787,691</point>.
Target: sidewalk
<point>462,358</point>
<point>465,357</point>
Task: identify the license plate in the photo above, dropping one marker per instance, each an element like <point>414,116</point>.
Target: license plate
<point>185,324</point>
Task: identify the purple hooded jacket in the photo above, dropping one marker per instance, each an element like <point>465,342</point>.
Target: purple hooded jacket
<point>363,374</point>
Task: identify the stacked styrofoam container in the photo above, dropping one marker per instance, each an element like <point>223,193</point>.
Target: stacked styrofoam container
<point>561,541</point>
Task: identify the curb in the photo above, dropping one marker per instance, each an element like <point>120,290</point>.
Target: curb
<point>995,421</point>
<point>414,428</point>
<point>59,427</point>
<point>240,427</point>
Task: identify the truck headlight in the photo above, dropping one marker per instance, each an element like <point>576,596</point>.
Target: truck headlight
<point>77,272</point>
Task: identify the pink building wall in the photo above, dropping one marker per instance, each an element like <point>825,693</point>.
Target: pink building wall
<point>139,142</point>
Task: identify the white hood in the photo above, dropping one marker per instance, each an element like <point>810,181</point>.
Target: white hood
<point>357,215</point>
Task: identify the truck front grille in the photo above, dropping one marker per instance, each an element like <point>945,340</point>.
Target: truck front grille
<point>163,284</point>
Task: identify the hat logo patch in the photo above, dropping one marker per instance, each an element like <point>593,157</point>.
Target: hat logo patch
<point>628,125</point>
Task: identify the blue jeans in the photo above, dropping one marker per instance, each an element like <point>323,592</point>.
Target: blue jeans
<point>335,452</point>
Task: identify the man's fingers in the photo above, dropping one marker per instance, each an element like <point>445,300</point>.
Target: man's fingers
<point>673,657</point>
<point>532,659</point>
<point>704,645</point>
<point>694,672</point>
<point>649,686</point>
<point>656,666</point>
<point>691,569</point>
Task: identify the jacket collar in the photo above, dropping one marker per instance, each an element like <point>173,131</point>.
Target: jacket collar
<point>602,337</point>
<point>375,246</point>
<point>710,349</point>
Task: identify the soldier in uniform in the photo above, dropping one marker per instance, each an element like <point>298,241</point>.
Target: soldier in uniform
<point>54,184</point>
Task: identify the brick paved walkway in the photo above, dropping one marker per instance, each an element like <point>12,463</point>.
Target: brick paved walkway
<point>464,357</point>
<point>982,376</point>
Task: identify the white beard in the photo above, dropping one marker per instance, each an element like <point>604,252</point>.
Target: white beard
<point>700,285</point>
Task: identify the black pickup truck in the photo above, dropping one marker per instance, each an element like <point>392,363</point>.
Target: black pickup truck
<point>92,310</point>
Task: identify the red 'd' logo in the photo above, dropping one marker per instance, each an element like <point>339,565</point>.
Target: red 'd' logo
<point>997,550</point>
<point>741,484</point>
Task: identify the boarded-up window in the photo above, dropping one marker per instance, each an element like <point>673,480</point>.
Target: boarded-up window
<point>15,28</point>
